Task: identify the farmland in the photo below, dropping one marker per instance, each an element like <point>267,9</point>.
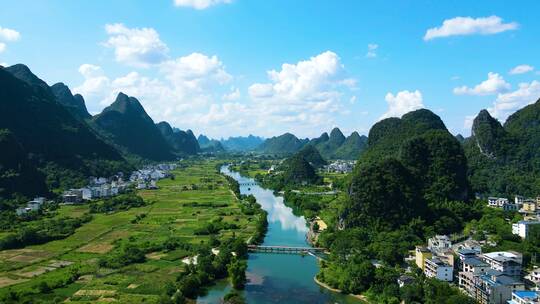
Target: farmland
<point>72,268</point>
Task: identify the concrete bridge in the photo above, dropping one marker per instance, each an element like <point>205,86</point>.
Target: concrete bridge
<point>285,249</point>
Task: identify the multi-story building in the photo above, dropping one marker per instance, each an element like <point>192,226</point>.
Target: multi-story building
<point>475,266</point>
<point>534,277</point>
<point>436,268</point>
<point>522,228</point>
<point>494,287</point>
<point>507,262</point>
<point>525,297</point>
<point>529,206</point>
<point>439,243</point>
<point>421,255</point>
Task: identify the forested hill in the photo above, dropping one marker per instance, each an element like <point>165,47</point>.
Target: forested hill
<point>337,146</point>
<point>130,126</point>
<point>411,166</point>
<point>74,103</point>
<point>283,144</point>
<point>182,142</point>
<point>504,160</point>
<point>210,145</point>
<point>46,137</point>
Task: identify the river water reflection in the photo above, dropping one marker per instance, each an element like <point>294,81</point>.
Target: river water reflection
<point>278,278</point>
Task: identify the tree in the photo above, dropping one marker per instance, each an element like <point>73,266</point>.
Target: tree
<point>237,273</point>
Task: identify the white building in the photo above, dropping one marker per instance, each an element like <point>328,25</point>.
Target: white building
<point>507,262</point>
<point>497,202</point>
<point>439,243</point>
<point>522,228</point>
<point>436,268</point>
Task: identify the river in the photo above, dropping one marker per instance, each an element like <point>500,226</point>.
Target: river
<point>278,278</point>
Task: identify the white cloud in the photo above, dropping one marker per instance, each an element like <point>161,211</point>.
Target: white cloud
<point>521,69</point>
<point>305,96</point>
<point>493,85</point>
<point>403,102</point>
<point>188,84</point>
<point>7,34</point>
<point>194,70</point>
<point>2,47</point>
<point>469,26</point>
<point>372,50</point>
<point>353,100</point>
<point>311,80</point>
<point>137,47</point>
<point>507,103</point>
<point>233,95</point>
<point>200,4</point>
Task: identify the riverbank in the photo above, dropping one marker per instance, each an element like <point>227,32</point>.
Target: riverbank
<point>326,286</point>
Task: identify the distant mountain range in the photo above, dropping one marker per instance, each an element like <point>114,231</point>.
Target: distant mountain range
<point>333,146</point>
<point>242,143</point>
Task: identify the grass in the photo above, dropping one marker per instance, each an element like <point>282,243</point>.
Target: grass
<point>181,205</point>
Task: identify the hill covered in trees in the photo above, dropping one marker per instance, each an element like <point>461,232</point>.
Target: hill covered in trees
<point>411,166</point>
<point>130,127</point>
<point>51,145</point>
<point>182,142</point>
<point>284,144</point>
<point>210,145</point>
<point>504,159</point>
<point>337,146</point>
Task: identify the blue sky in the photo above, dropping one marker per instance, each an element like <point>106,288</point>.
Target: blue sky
<point>234,67</point>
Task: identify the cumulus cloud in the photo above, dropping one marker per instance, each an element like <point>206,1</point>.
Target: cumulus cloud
<point>460,26</point>
<point>194,70</point>
<point>521,69</point>
<point>137,47</point>
<point>304,95</point>
<point>7,34</point>
<point>403,102</point>
<point>233,95</point>
<point>200,4</point>
<point>184,84</point>
<point>493,85</point>
<point>507,103</point>
<point>372,50</point>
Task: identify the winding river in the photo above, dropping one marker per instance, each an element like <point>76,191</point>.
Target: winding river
<point>278,278</point>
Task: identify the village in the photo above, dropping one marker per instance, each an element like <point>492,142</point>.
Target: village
<point>103,187</point>
<point>487,277</point>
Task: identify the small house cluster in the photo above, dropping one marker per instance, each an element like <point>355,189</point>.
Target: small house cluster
<point>102,187</point>
<point>527,206</point>
<point>489,278</point>
<point>340,166</point>
<point>34,205</point>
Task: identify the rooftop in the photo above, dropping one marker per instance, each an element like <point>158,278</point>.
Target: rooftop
<point>475,262</point>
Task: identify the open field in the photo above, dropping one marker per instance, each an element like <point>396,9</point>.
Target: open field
<point>178,208</point>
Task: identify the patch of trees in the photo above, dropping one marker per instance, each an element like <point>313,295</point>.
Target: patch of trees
<point>214,227</point>
<point>249,206</point>
<point>42,231</point>
<point>211,267</point>
<point>120,202</point>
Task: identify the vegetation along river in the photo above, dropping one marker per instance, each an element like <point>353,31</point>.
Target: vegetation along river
<point>274,277</point>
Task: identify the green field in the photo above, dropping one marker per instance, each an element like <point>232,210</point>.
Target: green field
<point>197,195</point>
